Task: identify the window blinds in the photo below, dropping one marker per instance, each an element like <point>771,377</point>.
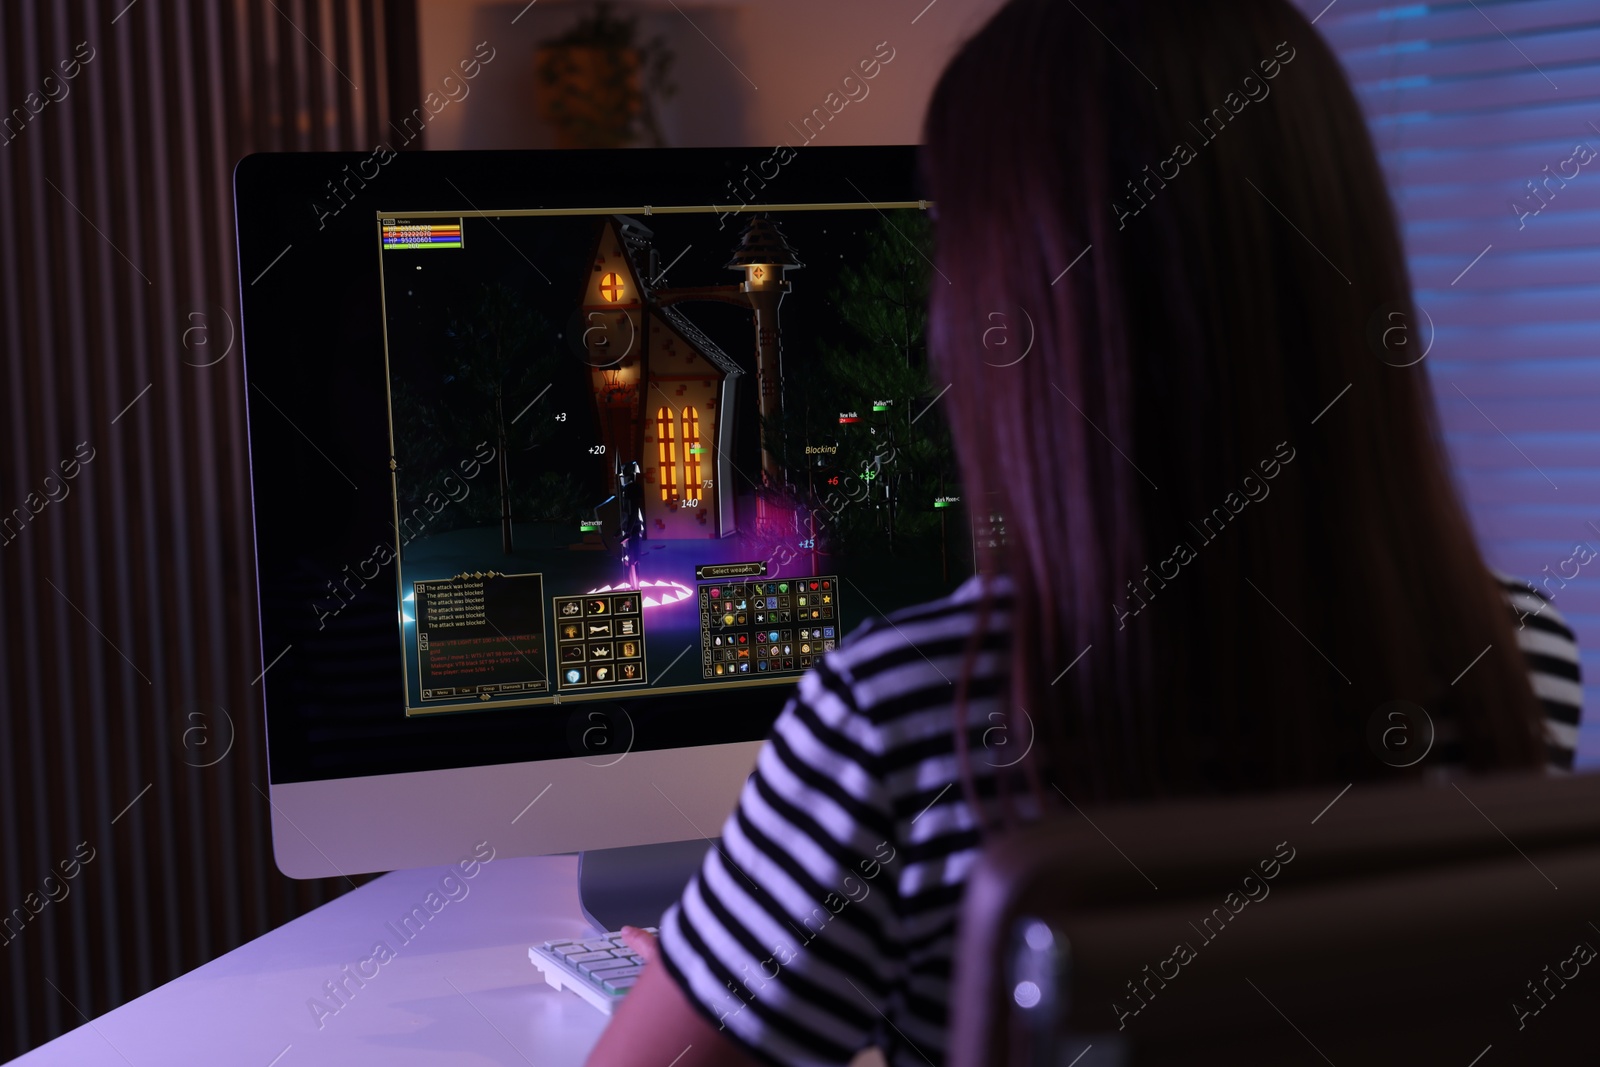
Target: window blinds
<point>1487,119</point>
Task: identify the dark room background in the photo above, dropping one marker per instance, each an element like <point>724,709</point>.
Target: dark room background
<point>130,723</point>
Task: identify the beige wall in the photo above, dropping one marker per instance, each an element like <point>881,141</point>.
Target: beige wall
<point>767,63</point>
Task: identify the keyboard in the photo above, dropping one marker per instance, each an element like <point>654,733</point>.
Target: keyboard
<point>599,969</point>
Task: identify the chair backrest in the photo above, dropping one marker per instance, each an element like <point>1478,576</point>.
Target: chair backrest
<point>1385,925</point>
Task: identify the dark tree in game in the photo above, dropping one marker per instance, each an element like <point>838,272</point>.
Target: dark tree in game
<point>878,378</point>
<point>493,363</point>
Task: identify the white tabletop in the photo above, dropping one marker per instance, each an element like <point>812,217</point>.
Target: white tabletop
<point>461,991</point>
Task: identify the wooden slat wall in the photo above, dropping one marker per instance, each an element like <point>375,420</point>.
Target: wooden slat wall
<point>127,613</point>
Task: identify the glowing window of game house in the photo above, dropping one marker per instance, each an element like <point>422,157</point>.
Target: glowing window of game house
<point>691,454</point>
<point>667,451</point>
<point>611,287</point>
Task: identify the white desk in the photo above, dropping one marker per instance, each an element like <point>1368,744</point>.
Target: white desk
<point>461,992</point>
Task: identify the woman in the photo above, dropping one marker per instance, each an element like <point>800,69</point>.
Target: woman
<point>1231,534</point>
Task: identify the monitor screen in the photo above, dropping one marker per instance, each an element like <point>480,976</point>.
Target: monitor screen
<point>653,454</point>
<point>555,454</point>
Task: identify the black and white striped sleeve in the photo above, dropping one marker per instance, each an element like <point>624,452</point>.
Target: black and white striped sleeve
<point>1550,650</point>
<point>788,934</point>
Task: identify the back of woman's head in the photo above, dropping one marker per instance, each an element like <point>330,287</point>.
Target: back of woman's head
<point>1220,481</point>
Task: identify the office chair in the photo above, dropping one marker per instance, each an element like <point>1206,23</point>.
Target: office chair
<point>1391,924</point>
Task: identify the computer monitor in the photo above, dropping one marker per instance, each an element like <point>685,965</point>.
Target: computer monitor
<point>564,467</point>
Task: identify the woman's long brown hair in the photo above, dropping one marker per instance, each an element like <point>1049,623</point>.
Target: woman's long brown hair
<point>1246,314</point>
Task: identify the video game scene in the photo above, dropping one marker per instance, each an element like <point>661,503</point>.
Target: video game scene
<point>660,450</point>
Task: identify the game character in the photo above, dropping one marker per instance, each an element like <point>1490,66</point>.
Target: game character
<point>630,506</point>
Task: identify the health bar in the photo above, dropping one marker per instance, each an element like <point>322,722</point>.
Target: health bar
<point>422,235</point>
<point>849,418</point>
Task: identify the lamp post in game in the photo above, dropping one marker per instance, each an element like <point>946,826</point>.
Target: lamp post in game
<point>764,255</point>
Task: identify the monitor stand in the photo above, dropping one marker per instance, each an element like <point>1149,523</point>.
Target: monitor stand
<point>633,886</point>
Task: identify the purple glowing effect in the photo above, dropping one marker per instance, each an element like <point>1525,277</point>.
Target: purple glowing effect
<point>656,594</point>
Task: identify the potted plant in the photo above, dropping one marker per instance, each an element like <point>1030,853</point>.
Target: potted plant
<point>597,82</point>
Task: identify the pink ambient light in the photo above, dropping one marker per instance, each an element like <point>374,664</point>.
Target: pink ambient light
<point>665,592</point>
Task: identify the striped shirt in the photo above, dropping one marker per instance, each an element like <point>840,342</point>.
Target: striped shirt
<point>824,922</point>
